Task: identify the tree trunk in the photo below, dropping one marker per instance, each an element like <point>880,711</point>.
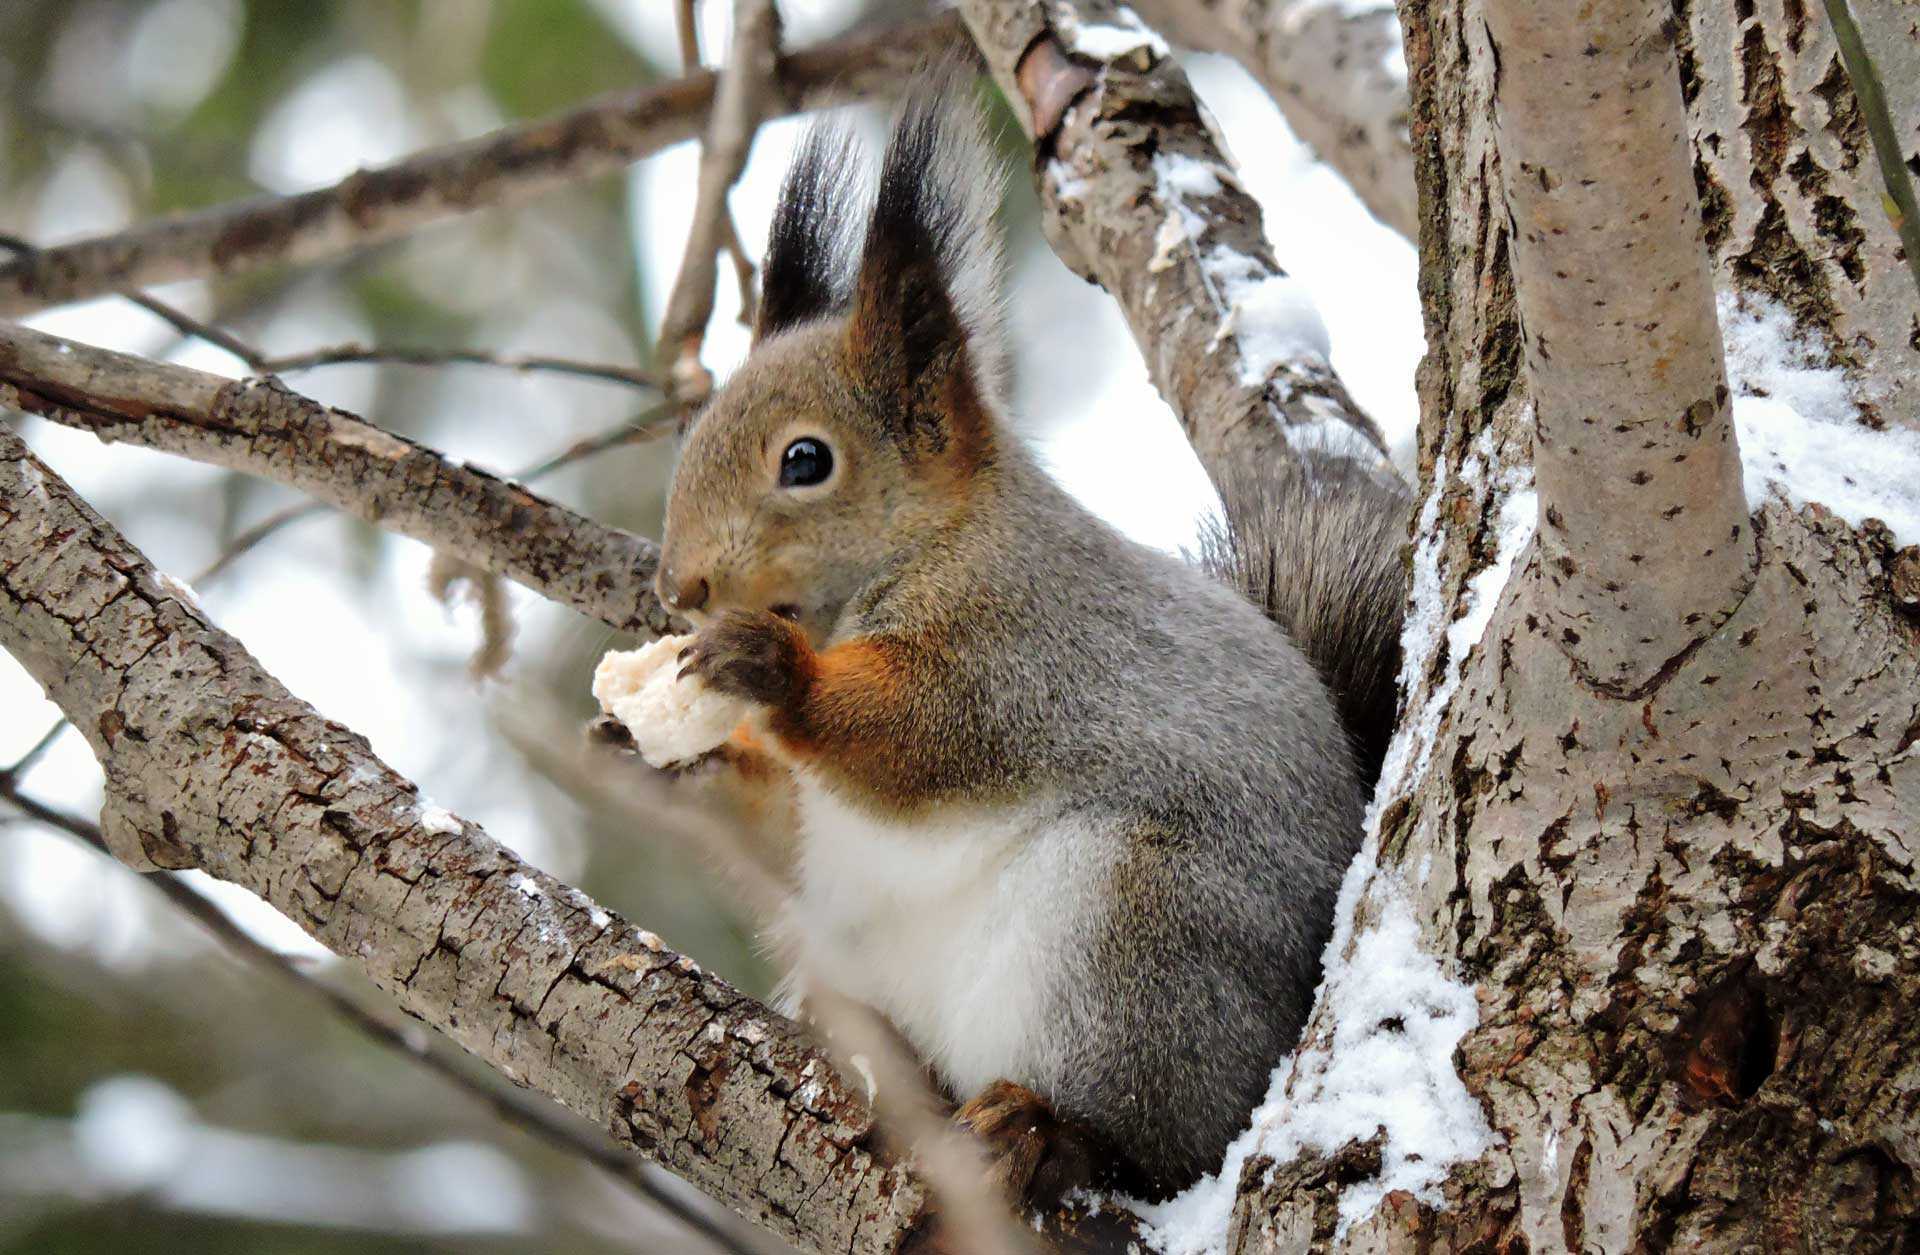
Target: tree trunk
<point>1687,914</point>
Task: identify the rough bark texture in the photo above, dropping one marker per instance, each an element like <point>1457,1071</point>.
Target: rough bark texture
<point>1335,70</point>
<point>504,168</point>
<point>1139,197</point>
<point>259,426</point>
<point>1644,541</point>
<point>210,763</point>
<point>1687,916</point>
<point>1793,199</point>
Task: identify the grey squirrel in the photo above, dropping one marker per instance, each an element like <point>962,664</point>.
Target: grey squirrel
<point>1072,812</point>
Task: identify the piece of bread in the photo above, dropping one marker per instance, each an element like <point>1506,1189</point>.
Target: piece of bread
<point>673,721</point>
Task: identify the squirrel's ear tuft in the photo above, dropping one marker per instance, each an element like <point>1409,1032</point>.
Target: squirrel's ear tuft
<point>807,271</point>
<point>926,295</point>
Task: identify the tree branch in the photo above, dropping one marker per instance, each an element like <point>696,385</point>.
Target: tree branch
<point>507,167</point>
<point>1138,197</point>
<point>1645,544</point>
<point>1337,74</point>
<point>536,1117</point>
<point>210,763</point>
<point>740,102</point>
<point>258,426</point>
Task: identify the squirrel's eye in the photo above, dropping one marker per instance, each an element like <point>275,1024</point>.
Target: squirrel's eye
<point>806,462</point>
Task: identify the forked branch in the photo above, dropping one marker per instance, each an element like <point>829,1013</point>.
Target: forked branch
<point>1645,544</point>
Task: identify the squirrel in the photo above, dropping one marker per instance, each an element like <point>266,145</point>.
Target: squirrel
<point>1072,812</point>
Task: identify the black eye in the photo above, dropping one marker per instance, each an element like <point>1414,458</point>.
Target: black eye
<point>806,462</point>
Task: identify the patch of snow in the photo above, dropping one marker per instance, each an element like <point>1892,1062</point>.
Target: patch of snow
<point>1066,184</point>
<point>1189,176</point>
<point>524,885</point>
<point>1274,321</point>
<point>181,591</point>
<point>1269,317</point>
<point>461,1187</point>
<point>1397,1017</point>
<point>1427,624</point>
<point>1331,435</point>
<point>439,819</point>
<point>1125,36</point>
<point>1799,427</point>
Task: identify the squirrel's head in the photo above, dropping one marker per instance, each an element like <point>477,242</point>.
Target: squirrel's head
<point>864,416</point>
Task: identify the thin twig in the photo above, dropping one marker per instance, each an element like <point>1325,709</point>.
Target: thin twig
<point>508,167</point>
<point>423,1047</point>
<point>740,102</point>
<point>351,354</point>
<point>25,763</point>
<point>688,29</point>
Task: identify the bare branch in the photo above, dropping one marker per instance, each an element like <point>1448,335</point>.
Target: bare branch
<point>210,763</point>
<point>1139,197</point>
<point>1337,74</point>
<point>507,167</point>
<point>740,102</point>
<point>524,363</point>
<point>258,426</point>
<point>537,1117</point>
<point>1645,544</point>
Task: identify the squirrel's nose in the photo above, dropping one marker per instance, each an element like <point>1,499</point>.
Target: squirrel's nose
<point>680,596</point>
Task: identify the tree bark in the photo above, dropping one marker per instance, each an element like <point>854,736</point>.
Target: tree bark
<point>1686,915</point>
<point>1138,196</point>
<point>210,763</point>
<point>261,427</point>
<point>1335,70</point>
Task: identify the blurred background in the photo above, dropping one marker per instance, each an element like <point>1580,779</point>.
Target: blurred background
<point>156,1093</point>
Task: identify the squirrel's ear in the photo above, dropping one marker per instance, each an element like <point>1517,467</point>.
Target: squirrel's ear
<point>806,272</point>
<point>926,312</point>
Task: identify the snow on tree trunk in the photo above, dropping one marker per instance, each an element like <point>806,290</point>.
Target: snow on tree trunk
<point>1687,920</point>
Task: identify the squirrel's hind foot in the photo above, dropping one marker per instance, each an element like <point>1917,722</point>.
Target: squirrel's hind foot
<point>1034,1158</point>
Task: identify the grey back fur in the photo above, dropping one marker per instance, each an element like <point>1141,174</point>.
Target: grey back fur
<point>1204,754</point>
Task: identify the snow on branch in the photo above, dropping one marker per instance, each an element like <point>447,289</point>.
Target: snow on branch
<point>260,427</point>
<point>506,167</point>
<point>1337,71</point>
<point>1140,198</point>
<point>1645,544</point>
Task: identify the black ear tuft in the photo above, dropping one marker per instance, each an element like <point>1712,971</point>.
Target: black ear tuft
<point>926,297</point>
<point>806,272</point>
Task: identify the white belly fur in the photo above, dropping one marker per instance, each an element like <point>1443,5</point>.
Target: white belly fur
<point>956,929</point>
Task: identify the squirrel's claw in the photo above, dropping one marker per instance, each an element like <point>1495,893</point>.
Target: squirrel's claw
<point>1034,1157</point>
<point>751,654</point>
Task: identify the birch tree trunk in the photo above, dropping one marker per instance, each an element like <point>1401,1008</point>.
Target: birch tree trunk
<point>1685,906</point>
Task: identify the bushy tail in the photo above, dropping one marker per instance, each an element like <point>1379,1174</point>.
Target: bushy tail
<point>1317,548</point>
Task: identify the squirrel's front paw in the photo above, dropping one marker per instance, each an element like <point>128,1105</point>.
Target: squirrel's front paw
<point>1034,1157</point>
<point>750,654</point>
